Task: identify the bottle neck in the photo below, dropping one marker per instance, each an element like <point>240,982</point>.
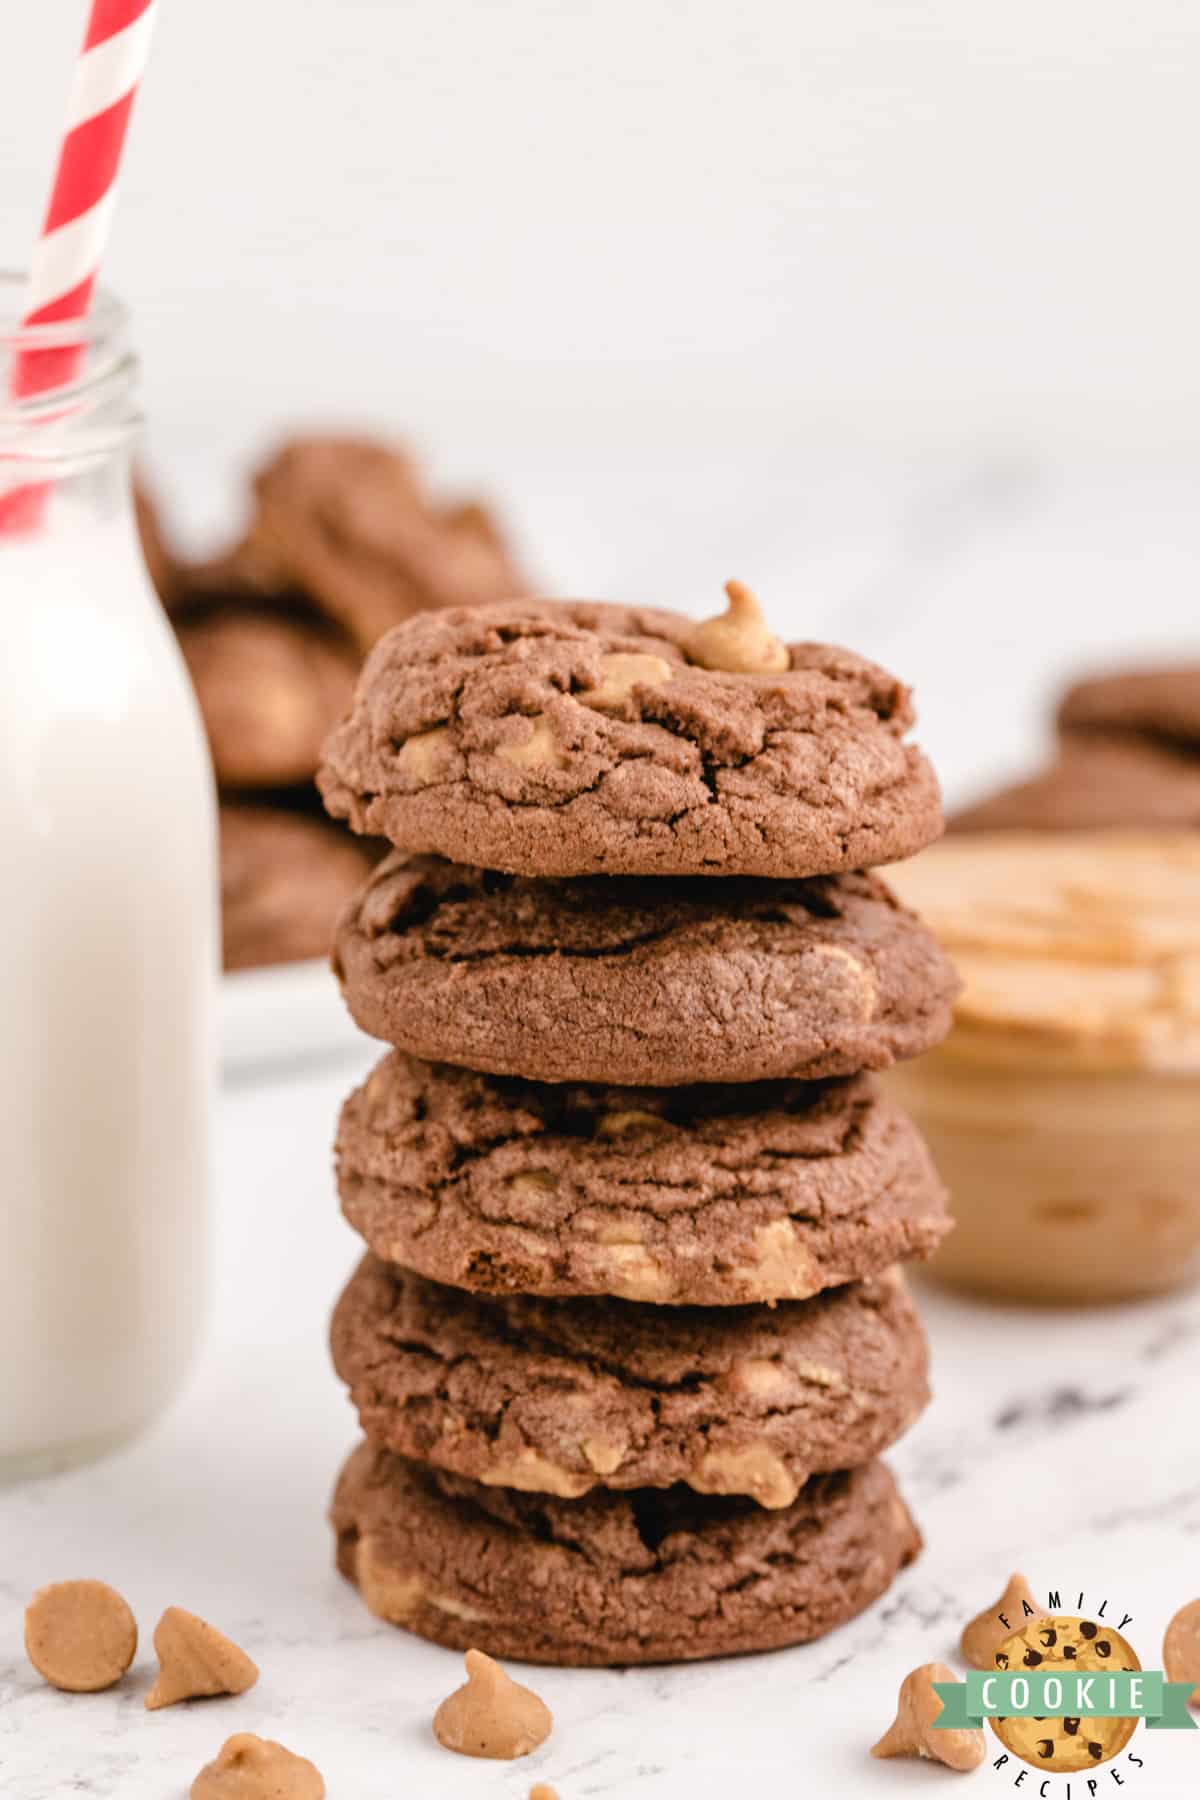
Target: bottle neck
<point>68,418</point>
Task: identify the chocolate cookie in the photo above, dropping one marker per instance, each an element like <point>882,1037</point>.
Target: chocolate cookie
<point>270,689</point>
<point>560,1396</point>
<point>1099,780</point>
<point>1159,702</point>
<point>348,523</point>
<point>713,1196</point>
<point>640,982</point>
<point>284,878</point>
<point>659,1575</point>
<point>584,739</point>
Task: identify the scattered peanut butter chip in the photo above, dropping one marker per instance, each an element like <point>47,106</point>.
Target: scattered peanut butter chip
<point>196,1660</point>
<point>491,1715</point>
<point>541,1790</point>
<point>253,1768</point>
<point>80,1635</point>
<point>987,1630</point>
<point>739,642</point>
<point>912,1731</point>
<point>1181,1648</point>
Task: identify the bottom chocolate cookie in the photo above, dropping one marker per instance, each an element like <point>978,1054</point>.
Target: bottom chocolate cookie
<point>652,1576</point>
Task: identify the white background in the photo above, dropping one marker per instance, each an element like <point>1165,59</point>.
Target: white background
<point>906,222</point>
<point>887,306</point>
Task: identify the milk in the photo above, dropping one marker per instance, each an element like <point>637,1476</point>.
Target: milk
<point>108,948</point>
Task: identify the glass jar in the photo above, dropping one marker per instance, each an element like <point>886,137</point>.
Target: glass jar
<point>108,919</point>
<point>1067,1183</point>
<point>1063,1112</point>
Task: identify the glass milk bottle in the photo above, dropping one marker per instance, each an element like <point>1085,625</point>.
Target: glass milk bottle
<point>107,921</point>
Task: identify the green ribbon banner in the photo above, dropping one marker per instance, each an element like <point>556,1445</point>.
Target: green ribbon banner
<point>1067,1693</point>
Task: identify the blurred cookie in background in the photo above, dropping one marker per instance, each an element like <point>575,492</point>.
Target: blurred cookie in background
<point>1128,754</point>
<point>285,876</point>
<point>348,524</point>
<point>344,541</point>
<point>271,686</point>
<point>1157,703</point>
<point>1097,780</point>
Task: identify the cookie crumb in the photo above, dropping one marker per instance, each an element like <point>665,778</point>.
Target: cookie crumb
<point>739,642</point>
<point>1181,1648</point>
<point>253,1768</point>
<point>491,1715</point>
<point>80,1635</point>
<point>912,1732</point>
<point>196,1661</point>
<point>985,1633</point>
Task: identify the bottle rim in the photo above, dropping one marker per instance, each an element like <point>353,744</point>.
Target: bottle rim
<point>83,408</point>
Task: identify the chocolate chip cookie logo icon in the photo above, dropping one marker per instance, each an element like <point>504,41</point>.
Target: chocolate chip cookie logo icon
<point>1062,1642</point>
<point>1066,1696</point>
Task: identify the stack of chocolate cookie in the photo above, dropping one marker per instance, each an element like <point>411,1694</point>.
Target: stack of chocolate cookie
<point>630,1336</point>
<point>343,542</point>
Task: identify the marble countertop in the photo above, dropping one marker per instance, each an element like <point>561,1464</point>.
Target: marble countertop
<point>1062,1444</point>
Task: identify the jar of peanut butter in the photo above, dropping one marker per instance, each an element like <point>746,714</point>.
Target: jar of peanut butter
<point>1064,1110</point>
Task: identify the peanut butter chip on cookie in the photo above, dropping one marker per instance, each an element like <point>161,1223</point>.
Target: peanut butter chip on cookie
<point>739,642</point>
<point>80,1635</point>
<point>491,1715</point>
<point>912,1731</point>
<point>987,1630</point>
<point>621,673</point>
<point>253,1768</point>
<point>196,1660</point>
<point>1181,1648</point>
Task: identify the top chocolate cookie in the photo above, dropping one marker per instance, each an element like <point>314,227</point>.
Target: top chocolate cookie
<point>576,739</point>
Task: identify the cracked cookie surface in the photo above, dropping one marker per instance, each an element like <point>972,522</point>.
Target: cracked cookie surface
<point>571,739</point>
<point>657,1575</point>
<point>561,1396</point>
<point>640,982</point>
<point>708,1196</point>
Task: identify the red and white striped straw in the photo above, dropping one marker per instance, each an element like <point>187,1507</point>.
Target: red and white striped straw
<point>69,251</point>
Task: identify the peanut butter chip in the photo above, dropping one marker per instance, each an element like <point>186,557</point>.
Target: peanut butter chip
<point>492,1715</point>
<point>254,1768</point>
<point>538,749</point>
<point>739,642</point>
<point>541,1790</point>
<point>912,1732</point>
<point>614,1124</point>
<point>422,754</point>
<point>1181,1648</point>
<point>621,672</point>
<point>987,1630</point>
<point>195,1660</point>
<point>79,1635</point>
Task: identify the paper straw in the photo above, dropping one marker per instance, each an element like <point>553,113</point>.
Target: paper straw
<point>67,257</point>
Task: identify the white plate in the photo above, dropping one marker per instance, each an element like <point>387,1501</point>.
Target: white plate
<point>287,1014</point>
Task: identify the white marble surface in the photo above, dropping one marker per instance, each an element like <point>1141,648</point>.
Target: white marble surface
<point>1066,1444</point>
